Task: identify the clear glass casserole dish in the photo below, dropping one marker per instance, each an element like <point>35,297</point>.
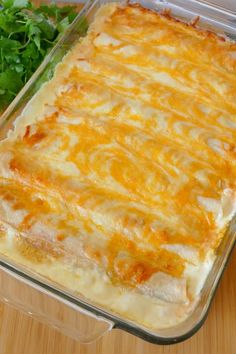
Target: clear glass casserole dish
<point>74,315</point>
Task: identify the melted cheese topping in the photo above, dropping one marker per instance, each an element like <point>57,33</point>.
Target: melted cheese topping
<point>121,170</point>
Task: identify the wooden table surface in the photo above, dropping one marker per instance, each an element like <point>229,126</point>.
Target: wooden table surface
<point>20,334</point>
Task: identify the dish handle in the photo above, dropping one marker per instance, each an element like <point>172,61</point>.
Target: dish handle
<point>34,301</point>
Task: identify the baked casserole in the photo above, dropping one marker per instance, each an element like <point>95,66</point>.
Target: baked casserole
<point>118,179</point>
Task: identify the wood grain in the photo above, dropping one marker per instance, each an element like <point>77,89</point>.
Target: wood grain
<point>20,334</point>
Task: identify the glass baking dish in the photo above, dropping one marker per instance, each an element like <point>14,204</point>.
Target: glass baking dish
<point>51,303</point>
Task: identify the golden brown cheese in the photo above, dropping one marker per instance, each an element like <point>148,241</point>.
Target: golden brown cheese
<point>129,164</point>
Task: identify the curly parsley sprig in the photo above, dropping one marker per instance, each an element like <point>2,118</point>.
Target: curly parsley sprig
<point>27,33</point>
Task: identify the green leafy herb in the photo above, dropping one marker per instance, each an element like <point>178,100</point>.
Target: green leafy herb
<point>27,34</point>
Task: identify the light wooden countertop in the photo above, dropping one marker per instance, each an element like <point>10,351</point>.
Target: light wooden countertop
<point>20,334</point>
